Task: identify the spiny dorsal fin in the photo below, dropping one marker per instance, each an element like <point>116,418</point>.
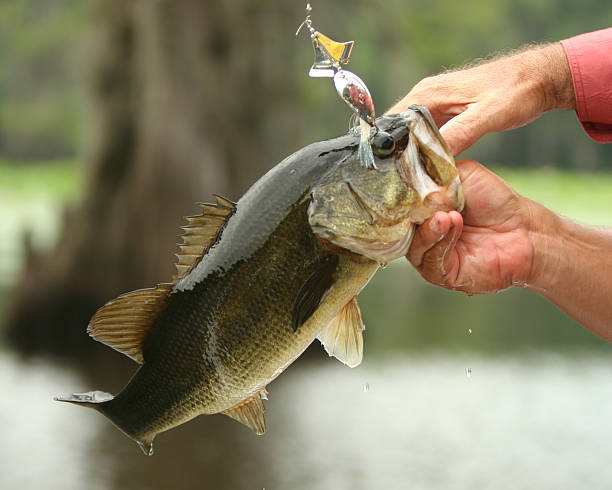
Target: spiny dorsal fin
<point>342,337</point>
<point>250,412</point>
<point>124,322</point>
<point>201,232</point>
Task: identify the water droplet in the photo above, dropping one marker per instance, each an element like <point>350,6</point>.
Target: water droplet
<point>292,171</point>
<point>366,387</point>
<point>382,265</point>
<point>469,330</point>
<point>468,372</point>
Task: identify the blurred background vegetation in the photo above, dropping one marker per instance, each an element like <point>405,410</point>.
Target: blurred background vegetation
<point>116,117</point>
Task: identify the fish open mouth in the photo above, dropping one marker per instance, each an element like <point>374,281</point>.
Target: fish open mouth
<point>435,193</point>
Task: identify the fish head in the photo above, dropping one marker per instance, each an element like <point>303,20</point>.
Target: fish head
<point>373,211</point>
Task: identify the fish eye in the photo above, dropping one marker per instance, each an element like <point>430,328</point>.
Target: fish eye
<point>383,144</point>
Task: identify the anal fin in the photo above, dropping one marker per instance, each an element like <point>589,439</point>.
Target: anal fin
<point>250,412</point>
<point>343,337</point>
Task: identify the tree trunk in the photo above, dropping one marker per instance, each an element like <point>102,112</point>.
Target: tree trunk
<point>179,89</point>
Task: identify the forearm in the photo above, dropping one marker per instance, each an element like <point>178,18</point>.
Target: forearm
<point>572,267</point>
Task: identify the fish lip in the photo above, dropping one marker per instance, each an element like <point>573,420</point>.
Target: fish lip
<point>379,251</point>
<point>399,249</point>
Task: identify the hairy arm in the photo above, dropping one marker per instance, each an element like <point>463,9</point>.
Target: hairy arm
<point>572,267</point>
<point>505,92</point>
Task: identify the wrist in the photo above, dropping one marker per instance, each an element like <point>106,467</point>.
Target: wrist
<point>556,83</point>
<point>545,231</point>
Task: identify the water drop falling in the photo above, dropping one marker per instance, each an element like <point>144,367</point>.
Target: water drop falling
<point>469,330</point>
<point>366,387</point>
<point>468,372</point>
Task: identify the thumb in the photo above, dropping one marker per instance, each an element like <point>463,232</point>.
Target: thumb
<point>463,130</point>
<point>436,259</point>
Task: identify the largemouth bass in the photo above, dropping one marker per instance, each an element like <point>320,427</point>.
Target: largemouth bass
<point>260,279</point>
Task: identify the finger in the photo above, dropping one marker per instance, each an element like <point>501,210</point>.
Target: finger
<point>464,130</point>
<point>440,117</point>
<point>427,235</point>
<point>400,106</point>
<point>405,102</point>
<point>440,264</point>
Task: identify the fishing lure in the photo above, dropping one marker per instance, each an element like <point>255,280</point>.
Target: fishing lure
<point>330,55</point>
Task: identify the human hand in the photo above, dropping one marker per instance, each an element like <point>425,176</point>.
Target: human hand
<point>489,248</point>
<point>504,93</point>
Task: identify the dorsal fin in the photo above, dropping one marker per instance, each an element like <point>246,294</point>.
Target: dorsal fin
<point>343,337</point>
<point>124,322</point>
<point>201,232</point>
<point>250,412</point>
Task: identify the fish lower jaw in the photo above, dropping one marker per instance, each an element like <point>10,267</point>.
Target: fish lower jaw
<point>445,199</point>
<point>382,251</point>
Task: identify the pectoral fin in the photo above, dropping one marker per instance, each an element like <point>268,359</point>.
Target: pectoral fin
<point>250,412</point>
<point>343,337</point>
<point>313,291</point>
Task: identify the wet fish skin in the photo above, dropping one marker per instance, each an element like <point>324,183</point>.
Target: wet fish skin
<point>290,256</point>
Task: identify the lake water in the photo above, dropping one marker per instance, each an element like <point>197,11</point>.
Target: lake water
<point>417,422</point>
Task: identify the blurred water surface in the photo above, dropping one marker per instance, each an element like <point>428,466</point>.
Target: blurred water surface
<point>520,421</point>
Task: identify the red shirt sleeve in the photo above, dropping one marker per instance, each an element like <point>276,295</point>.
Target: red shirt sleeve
<point>590,61</point>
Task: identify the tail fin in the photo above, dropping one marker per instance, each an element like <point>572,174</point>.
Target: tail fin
<point>98,401</point>
<point>91,399</point>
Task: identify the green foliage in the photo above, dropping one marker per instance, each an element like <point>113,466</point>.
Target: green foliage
<point>39,81</point>
<point>397,43</point>
<point>581,196</point>
<point>33,197</point>
<point>59,180</point>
